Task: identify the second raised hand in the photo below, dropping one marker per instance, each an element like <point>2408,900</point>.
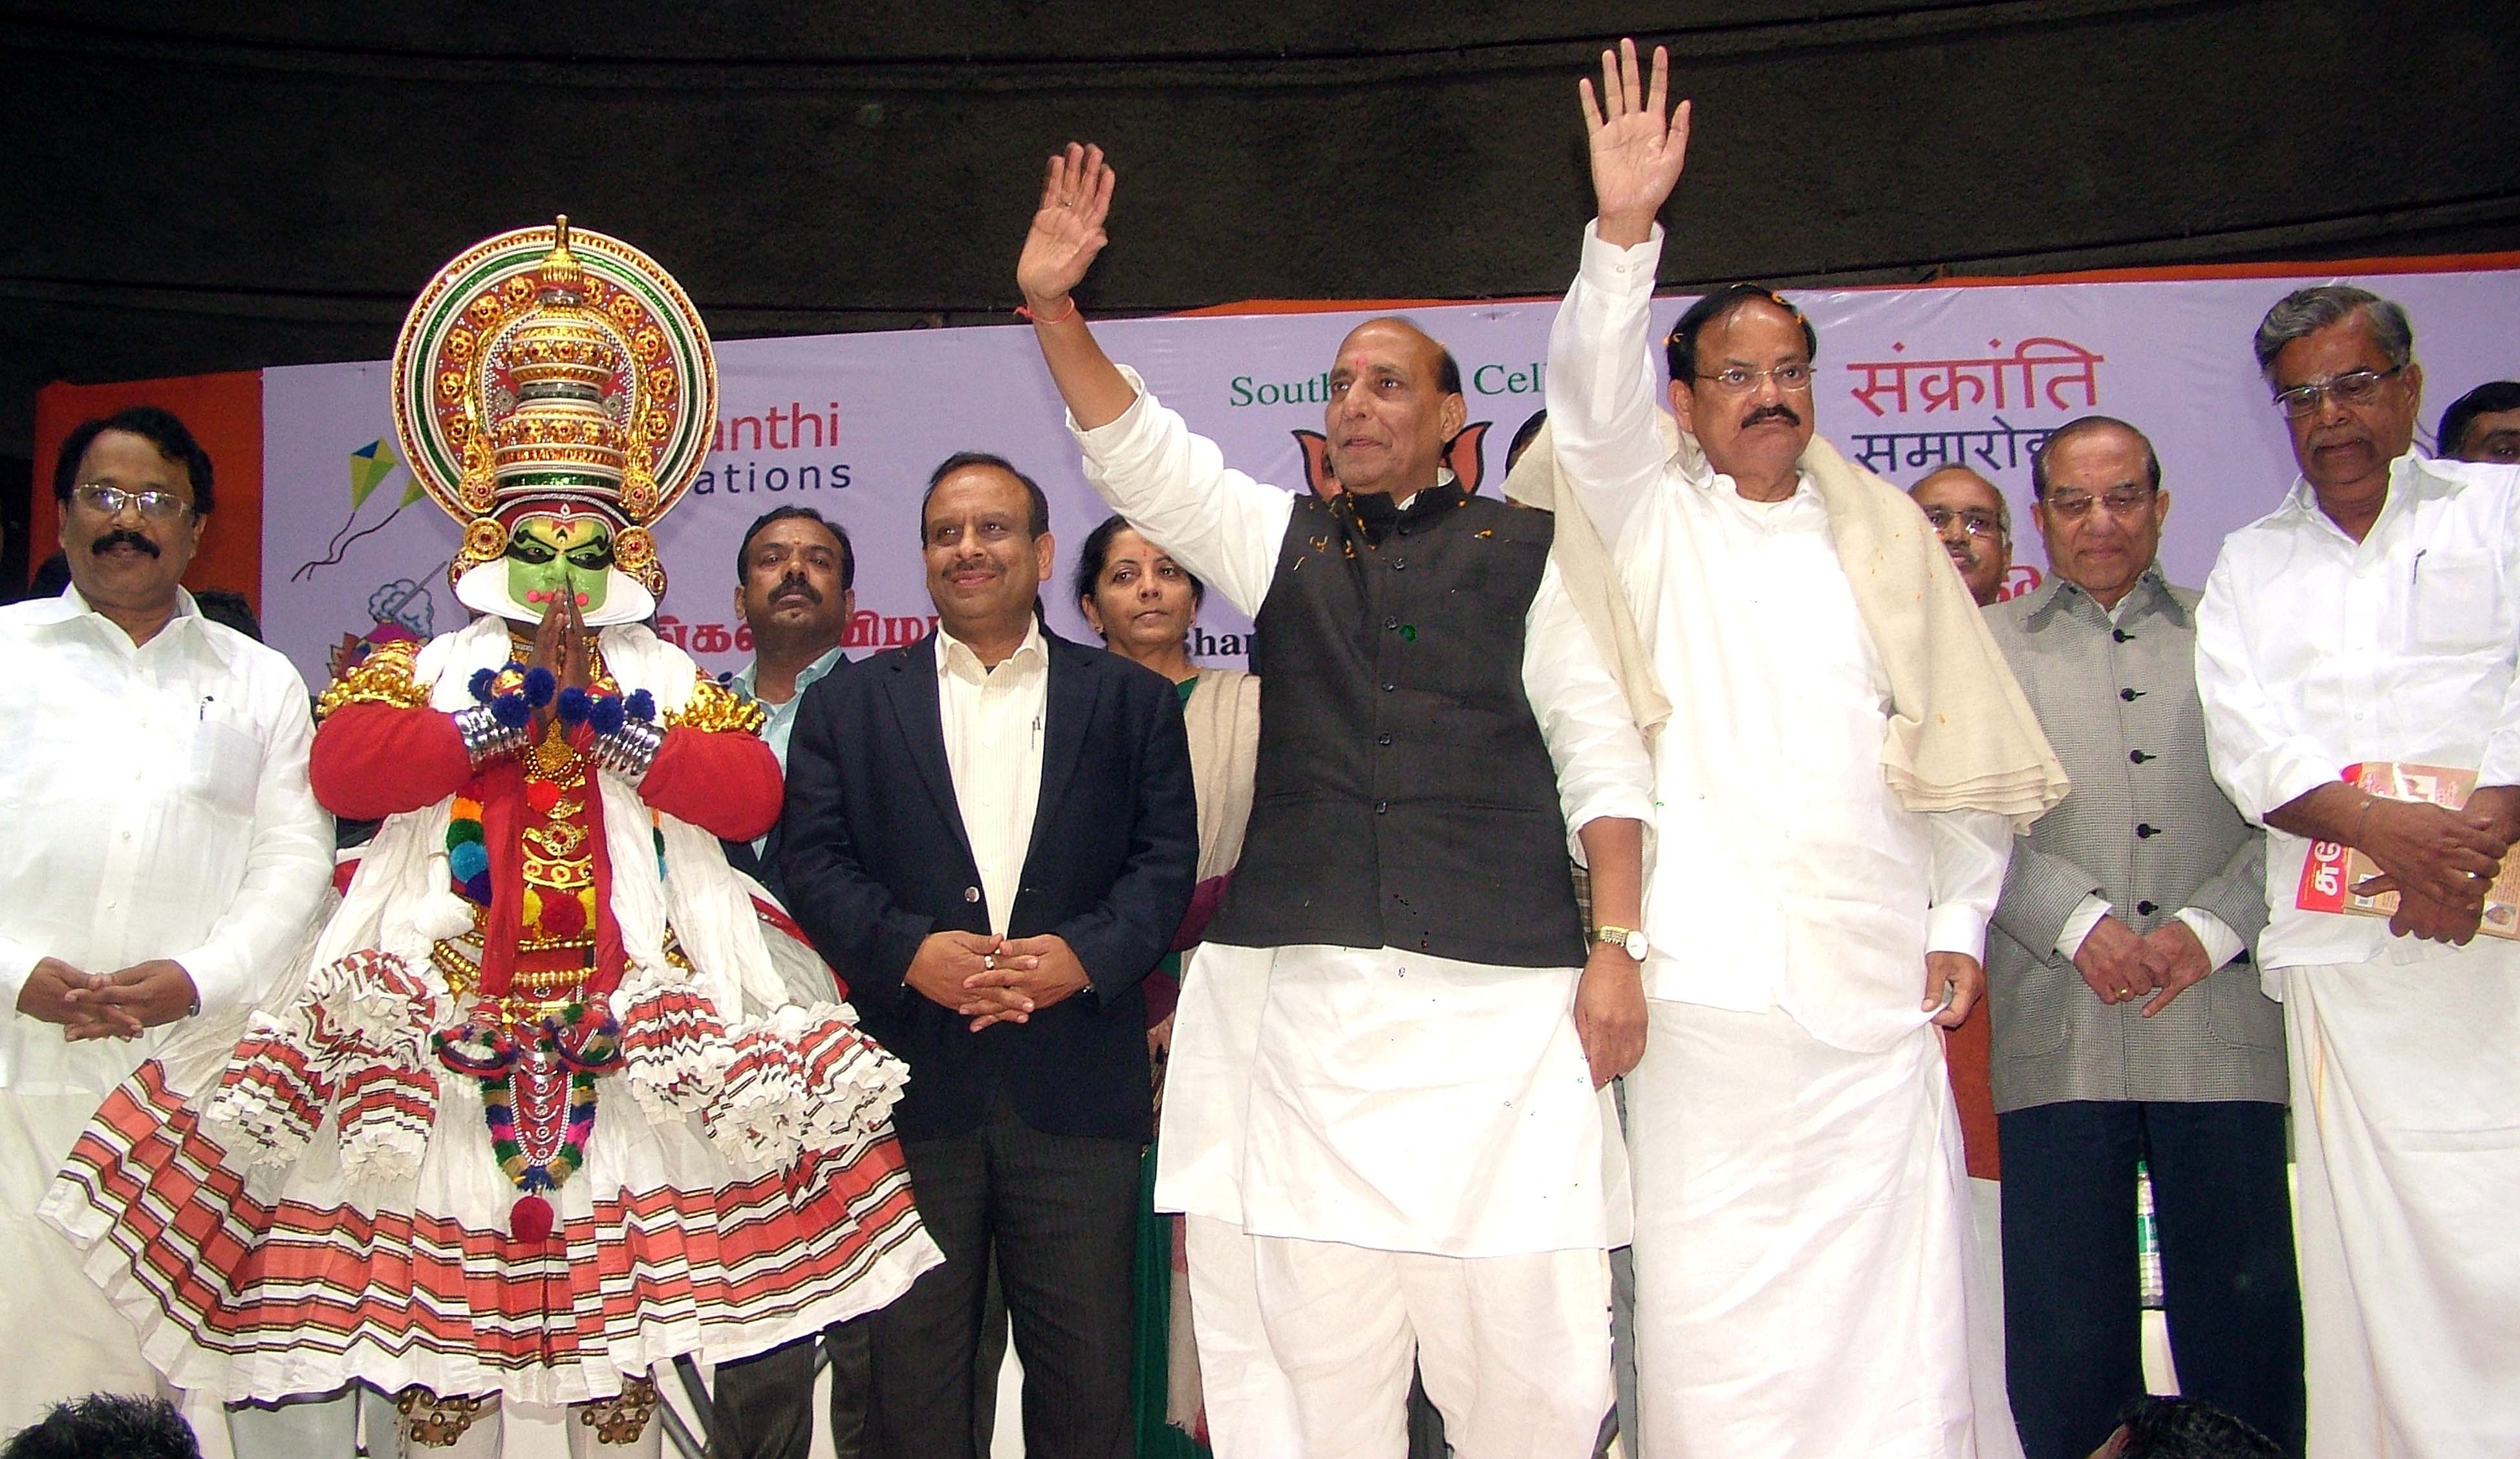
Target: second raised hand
<point>1637,148</point>
<point>1066,231</point>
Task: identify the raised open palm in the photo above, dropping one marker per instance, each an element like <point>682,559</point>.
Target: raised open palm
<point>1637,146</point>
<point>1067,231</point>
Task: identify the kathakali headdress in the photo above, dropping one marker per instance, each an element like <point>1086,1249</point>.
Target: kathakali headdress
<point>554,384</point>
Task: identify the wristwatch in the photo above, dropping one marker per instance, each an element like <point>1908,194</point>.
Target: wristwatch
<point>1627,940</point>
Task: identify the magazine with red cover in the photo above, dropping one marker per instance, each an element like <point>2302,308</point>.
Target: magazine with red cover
<point>2332,871</point>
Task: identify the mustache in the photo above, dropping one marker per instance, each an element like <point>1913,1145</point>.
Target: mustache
<point>1771,412</point>
<point>794,587</point>
<point>120,536</point>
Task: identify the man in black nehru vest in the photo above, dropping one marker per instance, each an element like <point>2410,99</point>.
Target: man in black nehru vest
<point>1382,1117</point>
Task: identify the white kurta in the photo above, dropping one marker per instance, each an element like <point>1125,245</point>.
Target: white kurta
<point>1391,1100</point>
<point>159,804</point>
<point>1791,904</point>
<point>2314,651</point>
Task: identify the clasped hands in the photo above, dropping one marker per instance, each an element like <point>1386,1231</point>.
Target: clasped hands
<point>989,979</point>
<point>2121,964</point>
<point>2441,863</point>
<point>107,1005</point>
<point>561,647</point>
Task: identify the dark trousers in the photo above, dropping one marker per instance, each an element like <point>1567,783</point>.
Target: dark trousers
<point>1060,1213</point>
<point>765,1405</point>
<point>2072,1317</point>
<point>767,1402</point>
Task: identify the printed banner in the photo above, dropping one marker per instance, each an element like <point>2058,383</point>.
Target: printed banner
<point>851,425</point>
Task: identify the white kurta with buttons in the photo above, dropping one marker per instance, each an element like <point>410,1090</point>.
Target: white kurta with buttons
<point>158,808</point>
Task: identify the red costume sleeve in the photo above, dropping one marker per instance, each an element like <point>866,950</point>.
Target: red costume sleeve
<point>374,760</point>
<point>725,781</point>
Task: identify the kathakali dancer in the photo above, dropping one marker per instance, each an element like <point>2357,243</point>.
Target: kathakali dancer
<point>557,1095</point>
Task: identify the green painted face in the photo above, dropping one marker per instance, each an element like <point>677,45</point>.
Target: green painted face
<point>548,556</point>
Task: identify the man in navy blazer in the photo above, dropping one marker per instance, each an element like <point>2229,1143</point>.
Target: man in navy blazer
<point>992,835</point>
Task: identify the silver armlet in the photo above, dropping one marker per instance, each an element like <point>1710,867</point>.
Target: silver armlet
<point>485,738</point>
<point>628,751</point>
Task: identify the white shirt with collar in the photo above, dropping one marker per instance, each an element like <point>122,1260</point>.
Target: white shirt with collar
<point>2314,652</point>
<point>160,804</point>
<point>992,719</point>
<point>1787,874</point>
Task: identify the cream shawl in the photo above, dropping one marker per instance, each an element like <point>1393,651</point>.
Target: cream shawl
<point>1223,718</point>
<point>1962,737</point>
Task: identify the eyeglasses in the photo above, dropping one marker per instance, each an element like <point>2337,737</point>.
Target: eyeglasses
<point>2354,388</point>
<point>1793,380</point>
<point>1972,524</point>
<point>108,500</point>
<point>2073,507</point>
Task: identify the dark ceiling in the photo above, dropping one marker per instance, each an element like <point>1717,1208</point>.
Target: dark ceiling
<point>196,187</point>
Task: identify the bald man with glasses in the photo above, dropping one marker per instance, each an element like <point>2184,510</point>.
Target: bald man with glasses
<point>1975,526</point>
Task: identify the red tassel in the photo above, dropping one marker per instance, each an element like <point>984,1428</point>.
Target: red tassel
<point>542,795</point>
<point>530,1220</point>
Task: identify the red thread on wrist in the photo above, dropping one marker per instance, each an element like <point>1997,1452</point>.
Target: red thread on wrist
<point>1024,311</point>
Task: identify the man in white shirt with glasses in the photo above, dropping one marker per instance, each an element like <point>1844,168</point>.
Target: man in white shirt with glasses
<point>168,856</point>
<point>2371,616</point>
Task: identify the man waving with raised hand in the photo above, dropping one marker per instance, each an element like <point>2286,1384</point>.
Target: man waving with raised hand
<point>1835,794</point>
<point>1383,1115</point>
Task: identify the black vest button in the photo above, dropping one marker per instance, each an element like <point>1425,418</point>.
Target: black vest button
<point>2143,909</point>
<point>2138,756</point>
<point>1398,563</point>
<point>2147,832</point>
<point>1379,806</point>
<point>1390,624</point>
<point>2130,695</point>
<point>1382,739</point>
<point>1388,686</point>
<point>2121,634</point>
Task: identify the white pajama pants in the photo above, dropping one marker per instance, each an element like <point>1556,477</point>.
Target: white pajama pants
<point>1250,1404</point>
<point>1515,1350</point>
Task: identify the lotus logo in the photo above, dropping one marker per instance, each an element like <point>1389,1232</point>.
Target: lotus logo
<point>1462,456</point>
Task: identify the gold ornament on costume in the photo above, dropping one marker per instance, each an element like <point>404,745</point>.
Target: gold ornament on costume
<point>714,708</point>
<point>554,371</point>
<point>384,677</point>
<point>634,551</point>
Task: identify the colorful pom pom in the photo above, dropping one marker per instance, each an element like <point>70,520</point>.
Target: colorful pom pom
<point>606,715</point>
<point>469,858</point>
<point>510,710</point>
<point>574,705</point>
<point>540,685</point>
<point>481,683</point>
<point>641,705</point>
<point>529,1221</point>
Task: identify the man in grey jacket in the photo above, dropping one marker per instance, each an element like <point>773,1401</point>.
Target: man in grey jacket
<point>2129,1022</point>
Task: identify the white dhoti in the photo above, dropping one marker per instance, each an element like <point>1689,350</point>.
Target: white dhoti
<point>1412,1144</point>
<point>1804,1279</point>
<point>61,1337</point>
<point>2406,1097</point>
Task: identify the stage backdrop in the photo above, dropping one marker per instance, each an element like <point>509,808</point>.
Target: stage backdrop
<point>852,424</point>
